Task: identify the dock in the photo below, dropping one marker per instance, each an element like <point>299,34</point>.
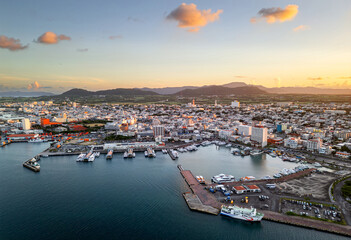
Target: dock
<point>199,199</point>
<point>195,204</point>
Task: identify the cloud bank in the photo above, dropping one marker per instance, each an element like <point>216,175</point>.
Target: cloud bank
<point>11,43</point>
<point>34,85</point>
<point>52,38</point>
<point>188,16</point>
<point>272,15</point>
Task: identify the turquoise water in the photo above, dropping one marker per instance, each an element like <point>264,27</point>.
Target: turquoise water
<point>136,198</point>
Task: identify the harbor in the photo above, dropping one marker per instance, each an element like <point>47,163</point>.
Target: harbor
<point>202,200</point>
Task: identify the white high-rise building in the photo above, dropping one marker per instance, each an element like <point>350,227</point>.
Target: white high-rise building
<point>26,124</point>
<point>259,135</point>
<point>235,104</point>
<point>159,131</point>
<point>244,130</point>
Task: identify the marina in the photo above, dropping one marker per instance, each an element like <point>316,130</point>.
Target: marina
<point>67,180</point>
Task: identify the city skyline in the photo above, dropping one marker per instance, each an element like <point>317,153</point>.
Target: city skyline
<point>50,46</point>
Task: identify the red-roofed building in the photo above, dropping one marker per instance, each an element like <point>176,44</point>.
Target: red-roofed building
<point>252,188</point>
<point>21,137</point>
<point>239,189</point>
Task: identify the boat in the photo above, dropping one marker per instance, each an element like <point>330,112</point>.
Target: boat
<point>206,143</point>
<point>247,178</point>
<point>150,152</point>
<point>236,151</point>
<point>220,143</point>
<point>255,152</point>
<point>80,157</point>
<point>129,153</point>
<point>277,175</point>
<point>200,179</point>
<point>97,154</point>
<point>174,153</point>
<point>35,140</point>
<point>109,154</point>
<point>34,164</point>
<point>228,145</point>
<point>246,214</point>
<point>223,178</point>
<point>164,151</point>
<point>266,177</point>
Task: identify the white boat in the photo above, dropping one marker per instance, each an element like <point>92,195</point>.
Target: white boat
<point>35,140</point>
<point>247,178</point>
<point>200,179</point>
<point>255,152</point>
<point>129,153</point>
<point>223,178</point>
<point>206,143</point>
<point>175,153</point>
<point>220,143</point>
<point>80,157</point>
<point>228,145</point>
<point>150,153</point>
<point>164,151</point>
<point>266,177</point>
<point>246,214</point>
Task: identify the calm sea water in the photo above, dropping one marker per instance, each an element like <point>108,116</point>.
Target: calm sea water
<point>136,198</point>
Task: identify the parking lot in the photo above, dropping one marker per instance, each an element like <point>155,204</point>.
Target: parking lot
<point>311,209</point>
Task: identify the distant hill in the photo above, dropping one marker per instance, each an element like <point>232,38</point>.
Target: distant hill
<point>168,90</point>
<point>219,90</point>
<point>25,94</point>
<point>235,84</point>
<point>77,92</point>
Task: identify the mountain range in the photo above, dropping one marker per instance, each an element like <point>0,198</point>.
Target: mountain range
<point>236,88</point>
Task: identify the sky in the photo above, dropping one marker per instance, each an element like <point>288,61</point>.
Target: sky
<point>54,46</point>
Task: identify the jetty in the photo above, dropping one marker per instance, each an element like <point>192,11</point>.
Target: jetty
<point>198,199</point>
<point>32,164</point>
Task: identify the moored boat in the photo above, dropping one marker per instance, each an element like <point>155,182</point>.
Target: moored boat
<point>246,214</point>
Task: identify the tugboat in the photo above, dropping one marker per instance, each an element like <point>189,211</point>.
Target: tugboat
<point>246,214</point>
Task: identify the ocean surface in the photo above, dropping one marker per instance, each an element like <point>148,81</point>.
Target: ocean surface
<point>138,198</point>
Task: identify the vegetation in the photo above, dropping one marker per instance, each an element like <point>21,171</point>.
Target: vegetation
<point>346,189</point>
<point>117,138</point>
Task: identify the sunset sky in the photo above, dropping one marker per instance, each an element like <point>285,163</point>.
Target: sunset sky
<point>58,45</point>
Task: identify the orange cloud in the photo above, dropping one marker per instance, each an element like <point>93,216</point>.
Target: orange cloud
<point>272,15</point>
<point>315,78</point>
<point>34,85</point>
<point>11,43</point>
<point>188,16</point>
<point>301,28</point>
<point>52,38</point>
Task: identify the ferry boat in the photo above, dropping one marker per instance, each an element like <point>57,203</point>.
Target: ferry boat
<point>129,153</point>
<point>80,157</point>
<point>200,179</point>
<point>150,152</point>
<point>109,154</point>
<point>223,178</point>
<point>246,214</point>
<point>87,156</point>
